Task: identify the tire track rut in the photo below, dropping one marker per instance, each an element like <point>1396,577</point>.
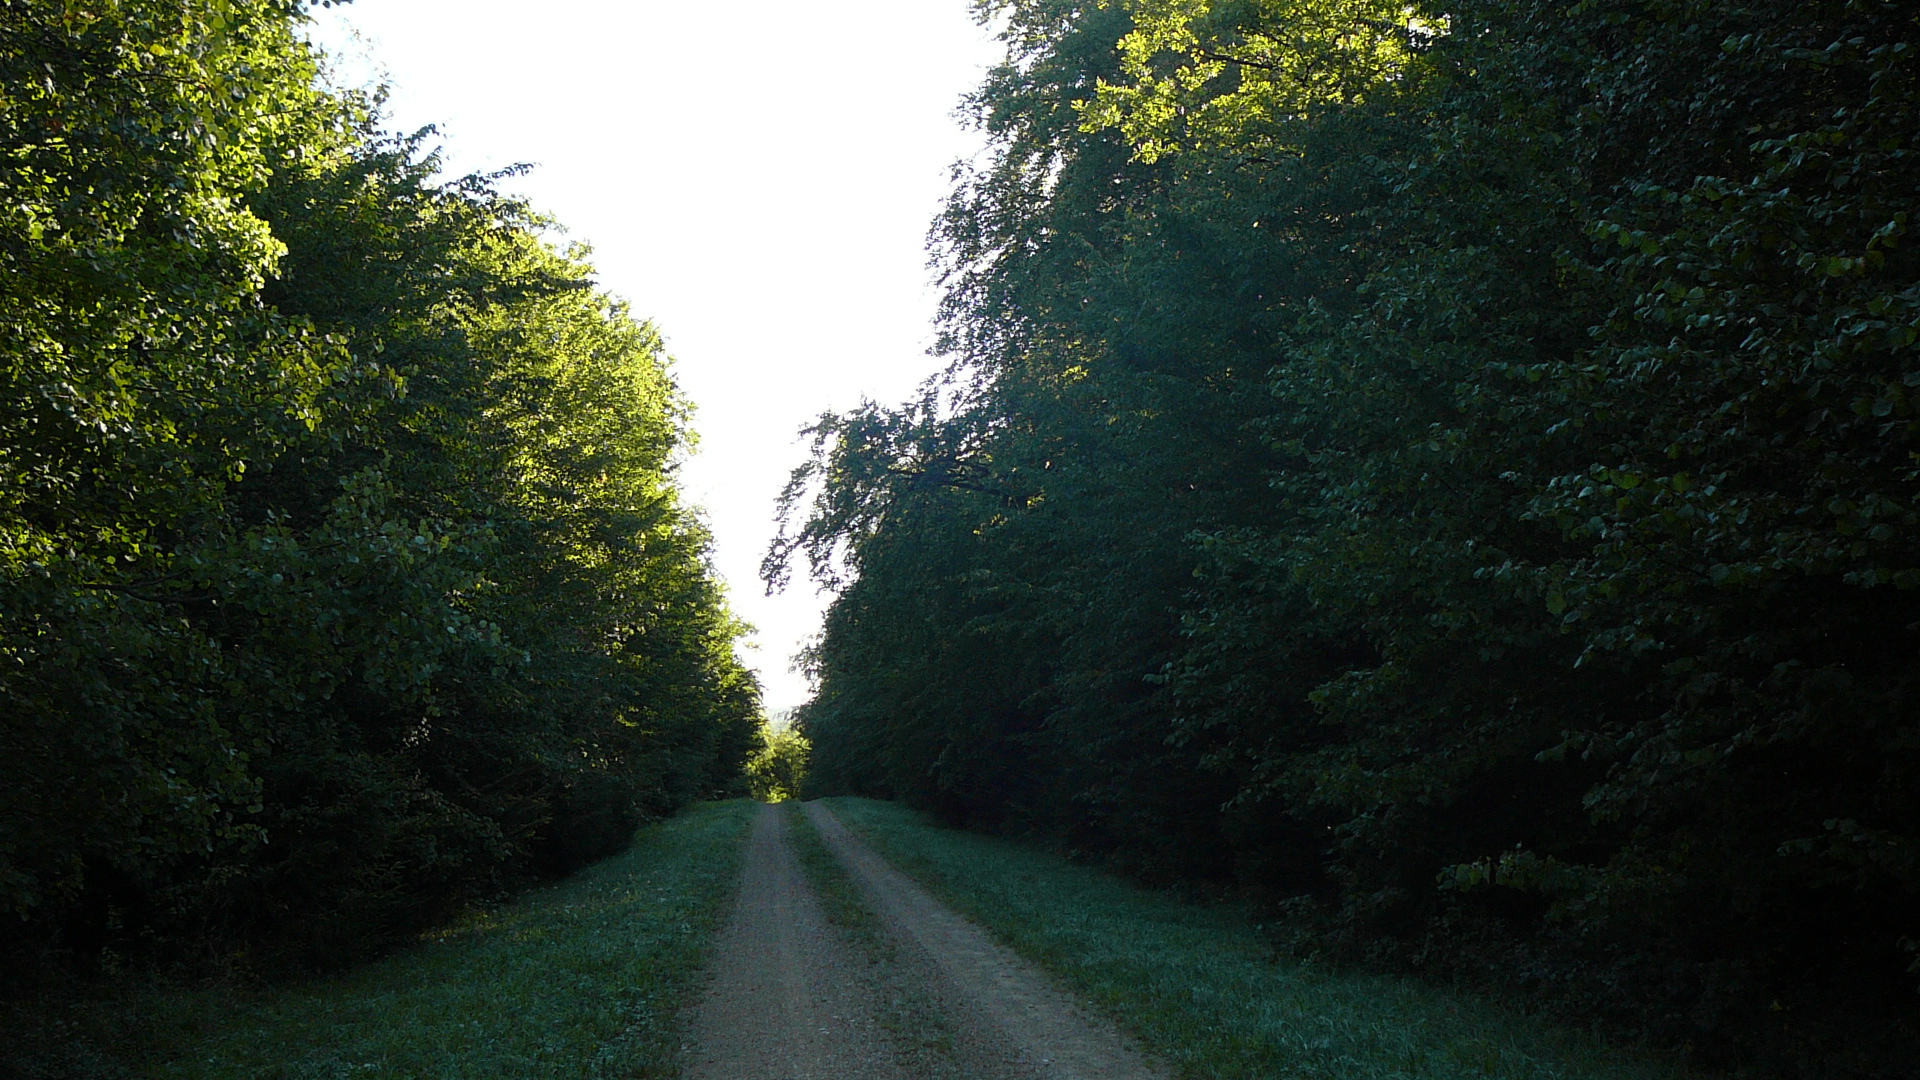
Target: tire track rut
<point>1048,1033</point>
<point>787,1000</point>
<point>790,999</point>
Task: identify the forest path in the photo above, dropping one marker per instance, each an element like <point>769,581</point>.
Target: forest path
<point>791,998</point>
<point>1008,1018</point>
<point>788,998</point>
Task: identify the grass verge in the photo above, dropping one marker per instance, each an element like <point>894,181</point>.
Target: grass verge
<point>583,978</point>
<point>913,1020</point>
<point>1202,992</point>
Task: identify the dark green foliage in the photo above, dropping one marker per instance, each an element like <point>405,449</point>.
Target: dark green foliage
<point>1199,986</point>
<point>343,576</point>
<point>580,978</point>
<point>1466,497</point>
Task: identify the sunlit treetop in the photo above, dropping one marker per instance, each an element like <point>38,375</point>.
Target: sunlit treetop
<point>1207,74</point>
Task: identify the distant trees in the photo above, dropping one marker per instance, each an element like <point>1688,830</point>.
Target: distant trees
<point>343,575</point>
<point>1449,468</point>
<point>777,771</point>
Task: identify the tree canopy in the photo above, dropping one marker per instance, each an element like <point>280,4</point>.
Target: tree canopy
<point>1449,469</point>
<point>344,575</point>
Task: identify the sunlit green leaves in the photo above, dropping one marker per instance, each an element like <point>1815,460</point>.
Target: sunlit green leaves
<point>1237,75</point>
<point>342,569</point>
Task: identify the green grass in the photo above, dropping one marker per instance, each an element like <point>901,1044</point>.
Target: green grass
<point>584,978</point>
<point>912,1019</point>
<point>1196,985</point>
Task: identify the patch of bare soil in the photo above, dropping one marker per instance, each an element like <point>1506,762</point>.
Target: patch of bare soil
<point>934,998</point>
<point>1007,1016</point>
<point>788,999</point>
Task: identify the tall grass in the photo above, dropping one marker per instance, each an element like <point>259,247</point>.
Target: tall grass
<point>584,978</point>
<point>1201,991</point>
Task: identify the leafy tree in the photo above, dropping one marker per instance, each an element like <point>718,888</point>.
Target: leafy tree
<point>778,771</point>
<point>345,572</point>
<point>1443,468</point>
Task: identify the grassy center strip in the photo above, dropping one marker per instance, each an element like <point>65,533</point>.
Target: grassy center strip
<point>911,1016</point>
<point>1200,990</point>
<point>584,978</point>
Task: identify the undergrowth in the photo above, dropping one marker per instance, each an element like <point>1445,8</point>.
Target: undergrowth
<point>1199,988</point>
<point>584,978</point>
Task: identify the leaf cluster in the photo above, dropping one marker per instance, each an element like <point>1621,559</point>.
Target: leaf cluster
<point>1447,469</point>
<point>344,576</point>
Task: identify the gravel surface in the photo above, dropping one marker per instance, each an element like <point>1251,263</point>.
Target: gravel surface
<point>1006,1011</point>
<point>788,999</point>
<point>792,999</point>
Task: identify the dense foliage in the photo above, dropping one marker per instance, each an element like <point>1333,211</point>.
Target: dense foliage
<point>777,771</point>
<point>343,574</point>
<point>1451,469</point>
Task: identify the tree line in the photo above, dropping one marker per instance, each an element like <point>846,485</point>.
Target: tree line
<point>344,575</point>
<point>1449,470</point>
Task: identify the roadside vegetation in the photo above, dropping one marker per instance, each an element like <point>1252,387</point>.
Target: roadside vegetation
<point>1449,470</point>
<point>345,579</point>
<point>585,978</point>
<point>1202,989</point>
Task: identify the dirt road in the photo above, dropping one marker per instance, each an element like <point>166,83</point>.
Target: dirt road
<point>791,999</point>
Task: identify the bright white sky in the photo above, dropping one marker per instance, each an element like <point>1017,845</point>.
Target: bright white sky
<point>757,177</point>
